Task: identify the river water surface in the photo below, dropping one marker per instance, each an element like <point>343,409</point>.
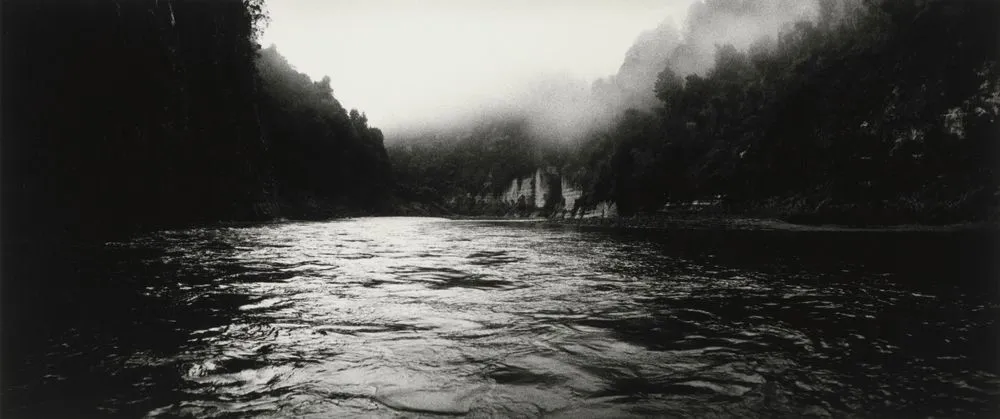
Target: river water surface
<point>411,317</point>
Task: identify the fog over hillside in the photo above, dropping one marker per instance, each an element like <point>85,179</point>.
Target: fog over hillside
<point>560,107</point>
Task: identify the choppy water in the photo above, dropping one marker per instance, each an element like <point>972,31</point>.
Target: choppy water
<point>406,317</point>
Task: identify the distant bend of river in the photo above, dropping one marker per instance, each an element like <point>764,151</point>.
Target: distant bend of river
<point>414,317</point>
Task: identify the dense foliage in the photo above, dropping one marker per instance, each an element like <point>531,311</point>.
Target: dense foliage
<point>881,112</point>
<point>875,111</point>
<point>123,115</point>
<point>326,160</point>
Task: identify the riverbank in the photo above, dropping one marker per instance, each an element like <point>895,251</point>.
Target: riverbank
<point>775,214</point>
<point>673,221</point>
<point>719,220</point>
<point>789,214</point>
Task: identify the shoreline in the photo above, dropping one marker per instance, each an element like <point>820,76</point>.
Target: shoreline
<point>696,222</point>
<point>747,223</point>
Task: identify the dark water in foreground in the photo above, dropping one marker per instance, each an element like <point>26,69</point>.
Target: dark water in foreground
<point>406,317</point>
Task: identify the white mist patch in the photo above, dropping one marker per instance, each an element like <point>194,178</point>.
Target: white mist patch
<point>715,23</point>
<point>567,67</point>
<point>417,63</point>
<point>559,108</point>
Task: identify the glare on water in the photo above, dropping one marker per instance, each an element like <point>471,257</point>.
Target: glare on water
<point>383,317</point>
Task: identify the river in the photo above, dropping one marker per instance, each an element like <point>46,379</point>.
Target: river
<point>412,317</point>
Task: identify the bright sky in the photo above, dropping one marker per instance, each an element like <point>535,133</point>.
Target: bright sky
<point>405,62</point>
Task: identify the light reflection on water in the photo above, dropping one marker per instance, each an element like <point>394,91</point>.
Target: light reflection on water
<point>409,316</point>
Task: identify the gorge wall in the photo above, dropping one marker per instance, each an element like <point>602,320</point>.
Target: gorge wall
<point>544,193</point>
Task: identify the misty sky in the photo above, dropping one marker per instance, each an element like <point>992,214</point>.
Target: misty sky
<point>408,62</point>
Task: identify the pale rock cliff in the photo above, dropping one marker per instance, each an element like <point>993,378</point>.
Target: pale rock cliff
<point>543,193</point>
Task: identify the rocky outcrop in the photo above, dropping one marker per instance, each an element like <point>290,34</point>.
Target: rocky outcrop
<point>570,194</point>
<point>540,191</point>
<point>603,209</point>
<point>544,193</point>
<point>520,190</point>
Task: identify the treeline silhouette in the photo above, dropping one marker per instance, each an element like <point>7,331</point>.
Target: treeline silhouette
<point>327,161</point>
<point>876,112</point>
<point>130,115</point>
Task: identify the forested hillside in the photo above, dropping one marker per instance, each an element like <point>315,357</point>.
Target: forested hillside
<point>481,161</point>
<point>877,112</point>
<point>326,160</point>
<point>128,115</point>
<point>870,112</point>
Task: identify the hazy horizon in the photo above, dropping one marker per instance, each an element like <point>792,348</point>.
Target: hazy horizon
<point>408,63</point>
<point>424,65</point>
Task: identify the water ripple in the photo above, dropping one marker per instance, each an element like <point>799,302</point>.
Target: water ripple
<point>410,317</point>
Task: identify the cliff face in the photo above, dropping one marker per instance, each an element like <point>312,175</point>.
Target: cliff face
<point>535,192</point>
<point>570,194</point>
<point>520,190</point>
<point>546,192</point>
